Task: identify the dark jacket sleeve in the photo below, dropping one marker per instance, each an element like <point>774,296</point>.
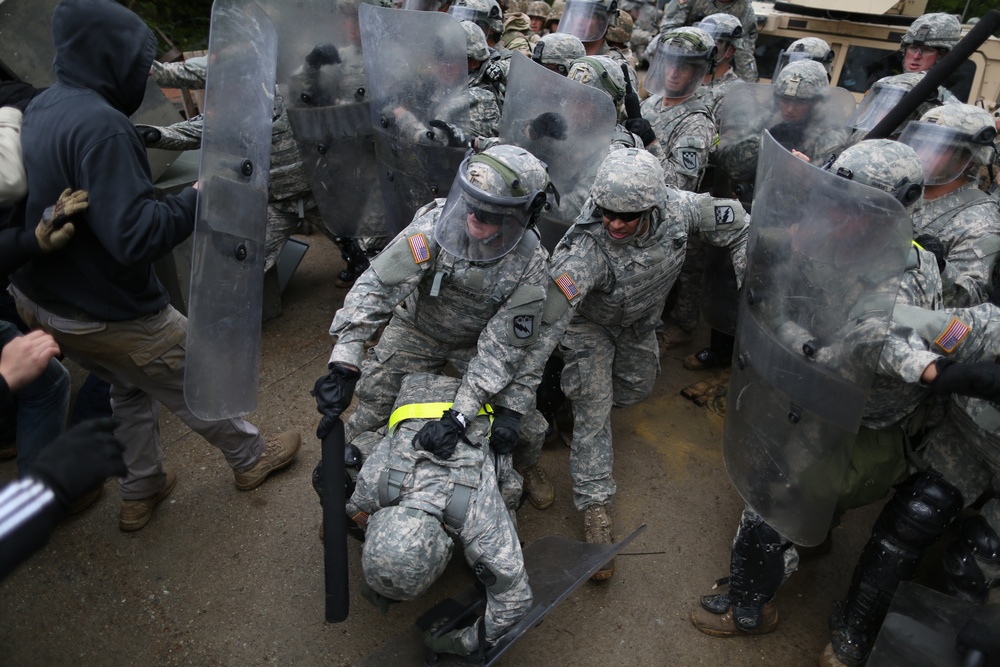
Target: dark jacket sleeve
<point>28,512</point>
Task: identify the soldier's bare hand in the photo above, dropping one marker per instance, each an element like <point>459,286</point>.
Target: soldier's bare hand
<point>24,358</point>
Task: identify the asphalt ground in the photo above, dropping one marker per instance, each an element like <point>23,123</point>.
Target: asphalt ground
<point>223,577</point>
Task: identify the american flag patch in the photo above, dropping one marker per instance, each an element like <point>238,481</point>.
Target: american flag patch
<point>953,335</point>
<point>565,283</point>
<point>361,519</point>
<point>418,246</point>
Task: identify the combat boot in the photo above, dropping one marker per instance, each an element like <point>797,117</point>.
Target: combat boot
<point>541,494</point>
<point>597,529</point>
<point>725,625</point>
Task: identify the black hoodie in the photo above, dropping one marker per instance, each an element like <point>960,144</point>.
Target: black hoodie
<point>77,135</point>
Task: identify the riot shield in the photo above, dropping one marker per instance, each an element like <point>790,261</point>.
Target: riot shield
<point>417,71</point>
<point>27,53</point>
<point>321,78</point>
<point>824,261</point>
<point>556,567</point>
<point>569,128</point>
<point>921,629</point>
<point>750,108</point>
<point>227,256</point>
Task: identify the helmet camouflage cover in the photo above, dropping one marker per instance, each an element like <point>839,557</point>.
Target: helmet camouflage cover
<point>603,73</point>
<point>620,32</point>
<point>559,49</point>
<point>802,80</point>
<point>886,165</point>
<point>405,551</point>
<point>538,9</point>
<point>722,27</point>
<point>975,123</point>
<point>629,180</point>
<point>475,42</point>
<point>814,48</point>
<point>938,30</point>
<point>484,13</point>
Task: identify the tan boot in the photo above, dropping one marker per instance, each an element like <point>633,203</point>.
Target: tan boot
<point>673,336</point>
<point>277,454</point>
<point>723,625</point>
<point>541,494</point>
<point>135,514</point>
<point>829,658</point>
<point>597,529</point>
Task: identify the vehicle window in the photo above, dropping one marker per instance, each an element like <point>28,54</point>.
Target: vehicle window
<point>865,65</point>
<point>766,52</point>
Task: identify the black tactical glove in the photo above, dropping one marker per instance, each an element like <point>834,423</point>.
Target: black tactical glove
<point>979,379</point>
<point>641,127</point>
<point>503,433</point>
<point>493,71</point>
<point>932,244</point>
<point>548,124</point>
<point>322,54</point>
<point>333,393</point>
<point>441,437</point>
<point>788,135</point>
<point>80,459</point>
<point>450,642</point>
<point>150,135</point>
<point>455,135</point>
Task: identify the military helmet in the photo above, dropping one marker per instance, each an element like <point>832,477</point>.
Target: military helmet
<point>687,50</point>
<point>555,14</point>
<point>405,551</point>
<point>538,9</point>
<point>629,179</point>
<point>559,50</point>
<point>620,31</point>
<point>494,198</point>
<point>487,14</point>
<point>475,42</point>
<point>802,80</point>
<point>885,94</point>
<point>949,139</point>
<point>603,73</point>
<point>722,27</point>
<point>886,165</point>
<point>807,48</point>
<point>938,30</point>
<point>588,19</point>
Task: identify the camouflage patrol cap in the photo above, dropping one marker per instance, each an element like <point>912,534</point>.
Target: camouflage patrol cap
<point>620,31</point>
<point>722,27</point>
<point>629,180</point>
<point>814,48</point>
<point>975,125</point>
<point>475,42</point>
<point>938,30</point>
<point>538,9</point>
<point>559,49</point>
<point>603,73</point>
<point>802,80</point>
<point>405,551</point>
<point>886,165</point>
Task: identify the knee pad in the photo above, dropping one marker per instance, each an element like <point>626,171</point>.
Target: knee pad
<point>918,513</point>
<point>977,545</point>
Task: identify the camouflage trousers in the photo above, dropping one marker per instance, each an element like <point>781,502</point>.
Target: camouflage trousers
<point>282,221</point>
<point>602,371</point>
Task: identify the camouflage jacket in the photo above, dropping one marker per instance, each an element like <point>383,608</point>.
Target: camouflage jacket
<point>685,134</point>
<point>678,13</point>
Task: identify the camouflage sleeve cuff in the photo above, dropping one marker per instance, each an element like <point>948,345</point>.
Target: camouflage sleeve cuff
<point>348,353</point>
<point>914,368</point>
<point>467,405</point>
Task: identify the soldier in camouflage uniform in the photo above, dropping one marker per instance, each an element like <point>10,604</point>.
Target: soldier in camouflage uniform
<point>610,275</point>
<point>487,14</point>
<point>290,200</point>
<point>726,30</point>
<point>415,503</point>
<point>554,17</point>
<point>644,25</point>
<point>537,12</point>
<point>761,557</point>
<point>604,73</point>
<point>486,83</point>
<point>557,51</point>
<point>928,39</point>
<point>689,12</point>
<point>959,222</point>
<point>517,34</point>
<point>683,124</point>
<point>810,48</point>
<point>884,94</point>
<point>619,40</point>
<point>463,283</point>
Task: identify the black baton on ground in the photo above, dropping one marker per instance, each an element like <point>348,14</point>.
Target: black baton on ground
<point>335,525</point>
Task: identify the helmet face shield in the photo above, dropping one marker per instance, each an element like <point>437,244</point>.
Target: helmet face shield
<point>945,152</point>
<point>874,106</point>
<point>588,21</point>
<point>481,227</point>
<point>676,73</point>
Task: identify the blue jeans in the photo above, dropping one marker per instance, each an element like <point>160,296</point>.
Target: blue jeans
<point>42,406</point>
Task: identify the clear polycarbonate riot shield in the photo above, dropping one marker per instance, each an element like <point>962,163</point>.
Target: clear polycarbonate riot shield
<point>321,78</point>
<point>417,70</point>
<point>922,627</point>
<point>26,52</point>
<point>569,128</point>
<point>815,127</point>
<point>227,257</point>
<point>556,567</point>
<point>824,261</point>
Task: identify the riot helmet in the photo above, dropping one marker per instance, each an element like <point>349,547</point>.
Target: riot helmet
<point>949,139</point>
<point>927,38</point>
<point>557,51</point>
<point>798,88</point>
<point>603,73</point>
<point>886,165</point>
<point>484,13</point>
<point>725,29</point>
<point>475,42</point>
<point>628,187</point>
<point>683,57</point>
<point>807,48</point>
<point>405,551</point>
<point>619,33</point>
<point>495,197</point>
<point>588,19</point>
<point>884,95</point>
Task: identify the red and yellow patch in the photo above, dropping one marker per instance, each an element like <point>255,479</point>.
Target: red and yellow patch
<point>419,248</point>
<point>952,335</point>
<point>567,286</point>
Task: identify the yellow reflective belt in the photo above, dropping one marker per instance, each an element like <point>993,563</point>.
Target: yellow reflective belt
<point>426,411</point>
<point>918,246</point>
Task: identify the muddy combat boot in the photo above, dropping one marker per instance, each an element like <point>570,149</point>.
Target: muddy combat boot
<point>756,569</point>
<point>673,336</point>
<point>541,494</point>
<point>597,529</point>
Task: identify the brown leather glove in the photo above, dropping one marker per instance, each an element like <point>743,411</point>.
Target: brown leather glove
<point>54,230</point>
